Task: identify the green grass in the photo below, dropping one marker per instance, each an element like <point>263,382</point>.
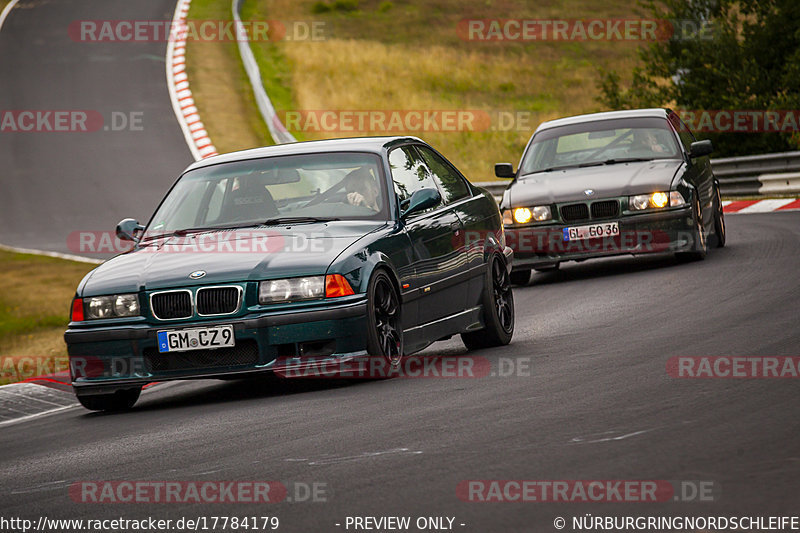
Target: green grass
<point>380,55</point>
<point>220,86</point>
<point>392,55</point>
<point>35,297</point>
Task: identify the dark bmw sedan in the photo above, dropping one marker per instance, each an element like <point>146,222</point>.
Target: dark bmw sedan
<point>317,251</point>
<point>622,182</point>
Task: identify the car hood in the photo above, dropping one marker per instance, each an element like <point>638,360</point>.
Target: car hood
<point>606,181</point>
<point>227,256</point>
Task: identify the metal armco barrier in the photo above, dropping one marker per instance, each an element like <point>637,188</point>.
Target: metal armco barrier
<point>750,175</point>
<point>276,128</point>
<point>766,174</point>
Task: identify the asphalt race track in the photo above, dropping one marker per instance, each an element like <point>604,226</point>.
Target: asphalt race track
<point>60,182</point>
<point>598,404</point>
<point>590,397</point>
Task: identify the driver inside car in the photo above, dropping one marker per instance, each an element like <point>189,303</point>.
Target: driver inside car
<point>362,189</point>
<point>646,140</point>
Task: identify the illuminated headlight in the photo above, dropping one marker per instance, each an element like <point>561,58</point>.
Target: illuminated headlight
<point>291,289</point>
<point>523,215</point>
<point>119,305</point>
<point>656,200</point>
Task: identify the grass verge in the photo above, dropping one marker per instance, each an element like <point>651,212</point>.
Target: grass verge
<point>220,87</point>
<point>385,55</point>
<point>35,295</point>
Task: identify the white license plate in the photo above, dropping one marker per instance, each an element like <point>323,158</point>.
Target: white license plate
<point>182,340</point>
<point>579,233</point>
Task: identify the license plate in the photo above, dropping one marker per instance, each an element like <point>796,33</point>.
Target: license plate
<point>182,340</point>
<point>579,233</point>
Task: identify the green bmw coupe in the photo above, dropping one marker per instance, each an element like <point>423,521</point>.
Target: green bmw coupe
<point>325,250</point>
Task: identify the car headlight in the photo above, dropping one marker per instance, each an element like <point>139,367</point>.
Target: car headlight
<point>676,199</point>
<point>291,289</point>
<point>523,215</point>
<point>656,200</point>
<point>116,306</point>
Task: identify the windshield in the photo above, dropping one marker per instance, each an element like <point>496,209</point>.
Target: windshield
<point>298,188</point>
<point>600,142</point>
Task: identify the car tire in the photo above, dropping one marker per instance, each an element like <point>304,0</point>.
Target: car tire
<point>719,220</point>
<point>520,277</point>
<point>120,400</point>
<point>498,309</point>
<point>699,243</point>
<point>384,325</point>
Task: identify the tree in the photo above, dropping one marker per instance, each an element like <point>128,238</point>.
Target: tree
<point>720,55</point>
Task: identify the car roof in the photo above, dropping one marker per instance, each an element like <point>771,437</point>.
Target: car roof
<point>606,115</point>
<point>353,144</point>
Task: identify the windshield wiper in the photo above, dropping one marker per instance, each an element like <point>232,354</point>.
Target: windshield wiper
<point>296,220</point>
<point>186,231</point>
<point>626,160</point>
<point>553,169</point>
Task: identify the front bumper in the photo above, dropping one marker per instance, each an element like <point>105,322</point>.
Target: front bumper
<point>655,232</point>
<point>104,359</point>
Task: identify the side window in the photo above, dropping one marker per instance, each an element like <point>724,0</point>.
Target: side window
<point>409,173</point>
<point>451,183</point>
<point>683,131</point>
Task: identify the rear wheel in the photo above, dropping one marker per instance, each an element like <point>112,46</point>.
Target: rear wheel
<point>498,309</point>
<point>121,400</point>
<point>699,244</point>
<point>719,220</point>
<point>384,329</point>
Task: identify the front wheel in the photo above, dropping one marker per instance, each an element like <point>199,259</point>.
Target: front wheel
<point>121,400</point>
<point>699,244</point>
<point>384,328</point>
<point>719,220</point>
<point>498,309</point>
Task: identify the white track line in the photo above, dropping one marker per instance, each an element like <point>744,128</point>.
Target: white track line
<point>68,257</point>
<point>6,11</point>
<point>179,93</point>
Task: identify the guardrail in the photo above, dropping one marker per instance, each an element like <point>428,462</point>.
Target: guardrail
<point>750,175</point>
<point>276,128</point>
<point>758,175</point>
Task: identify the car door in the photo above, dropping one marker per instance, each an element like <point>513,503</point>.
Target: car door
<point>476,221</point>
<point>436,262</point>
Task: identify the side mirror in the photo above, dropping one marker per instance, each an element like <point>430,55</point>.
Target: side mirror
<point>421,200</point>
<point>129,230</point>
<point>700,148</point>
<point>504,170</point>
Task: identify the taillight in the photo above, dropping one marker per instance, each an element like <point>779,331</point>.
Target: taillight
<point>77,310</point>
<point>336,285</point>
